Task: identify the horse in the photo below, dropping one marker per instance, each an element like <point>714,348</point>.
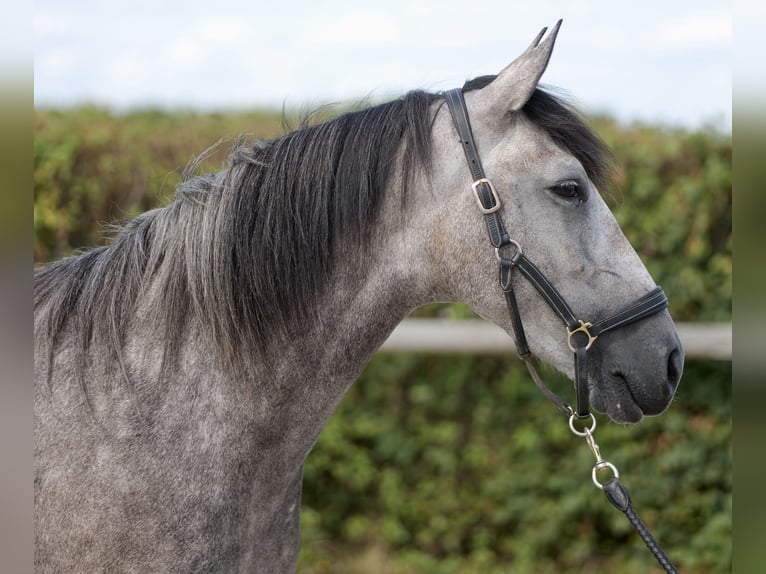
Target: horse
<point>184,371</point>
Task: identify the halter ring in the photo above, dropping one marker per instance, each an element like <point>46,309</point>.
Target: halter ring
<point>600,466</point>
<point>516,255</point>
<point>583,328</point>
<point>588,431</point>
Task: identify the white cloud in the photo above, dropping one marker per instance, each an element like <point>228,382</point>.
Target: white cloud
<point>363,28</point>
<point>223,30</point>
<point>700,30</point>
<point>126,72</point>
<point>183,52</point>
<point>55,63</point>
<point>50,23</point>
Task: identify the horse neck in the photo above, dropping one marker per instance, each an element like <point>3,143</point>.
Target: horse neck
<point>370,289</point>
<point>368,294</point>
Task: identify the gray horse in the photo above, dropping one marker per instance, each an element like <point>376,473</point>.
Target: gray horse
<point>184,372</point>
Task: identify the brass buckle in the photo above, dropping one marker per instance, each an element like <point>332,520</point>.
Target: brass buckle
<point>475,186</point>
<point>584,329</point>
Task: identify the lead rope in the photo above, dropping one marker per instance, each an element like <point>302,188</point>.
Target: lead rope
<point>618,495</point>
<point>580,335</point>
<point>615,491</point>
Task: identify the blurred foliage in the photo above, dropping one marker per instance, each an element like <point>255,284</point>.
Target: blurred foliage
<point>458,464</point>
<point>673,201</point>
<point>92,167</point>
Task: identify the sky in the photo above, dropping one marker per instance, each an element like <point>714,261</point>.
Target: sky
<point>650,61</point>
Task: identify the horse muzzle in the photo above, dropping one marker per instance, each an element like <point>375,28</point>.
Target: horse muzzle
<point>635,371</point>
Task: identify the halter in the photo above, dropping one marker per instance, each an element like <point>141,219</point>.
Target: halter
<point>580,334</point>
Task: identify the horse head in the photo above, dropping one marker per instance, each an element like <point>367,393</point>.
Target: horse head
<point>545,166</point>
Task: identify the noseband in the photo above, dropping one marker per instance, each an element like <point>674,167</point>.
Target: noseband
<point>580,334</point>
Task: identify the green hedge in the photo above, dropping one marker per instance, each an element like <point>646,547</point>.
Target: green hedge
<point>674,204</point>
<point>457,464</point>
<point>92,167</point>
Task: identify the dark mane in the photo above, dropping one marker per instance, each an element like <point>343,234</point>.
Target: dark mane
<point>247,250</point>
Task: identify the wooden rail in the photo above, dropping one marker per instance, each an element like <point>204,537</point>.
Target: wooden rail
<point>700,340</point>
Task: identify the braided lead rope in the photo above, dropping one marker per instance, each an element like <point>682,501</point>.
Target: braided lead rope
<point>618,495</point>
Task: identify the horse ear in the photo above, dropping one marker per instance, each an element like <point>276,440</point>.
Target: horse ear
<point>513,87</point>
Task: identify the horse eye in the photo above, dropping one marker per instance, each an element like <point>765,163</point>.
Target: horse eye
<point>568,190</point>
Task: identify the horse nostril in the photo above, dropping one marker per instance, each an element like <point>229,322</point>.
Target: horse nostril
<point>675,368</point>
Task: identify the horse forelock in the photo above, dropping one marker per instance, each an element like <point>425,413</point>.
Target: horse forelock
<point>565,126</point>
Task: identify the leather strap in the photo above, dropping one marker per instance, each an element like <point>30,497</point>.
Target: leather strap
<point>548,291</point>
<point>522,347</point>
<point>582,407</point>
<point>618,495</point>
<point>651,303</point>
<point>456,104</point>
<point>488,199</point>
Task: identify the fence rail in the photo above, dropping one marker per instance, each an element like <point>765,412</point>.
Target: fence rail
<point>700,340</point>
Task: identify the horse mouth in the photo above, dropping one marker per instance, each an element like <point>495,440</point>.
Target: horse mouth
<point>614,398</point>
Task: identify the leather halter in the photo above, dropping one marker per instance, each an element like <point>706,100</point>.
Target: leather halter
<point>581,334</point>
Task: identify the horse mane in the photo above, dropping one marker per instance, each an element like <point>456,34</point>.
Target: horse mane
<point>248,250</point>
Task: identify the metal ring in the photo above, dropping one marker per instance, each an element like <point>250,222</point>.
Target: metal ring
<point>515,255</point>
<point>586,432</point>
<point>600,466</point>
<point>583,328</point>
